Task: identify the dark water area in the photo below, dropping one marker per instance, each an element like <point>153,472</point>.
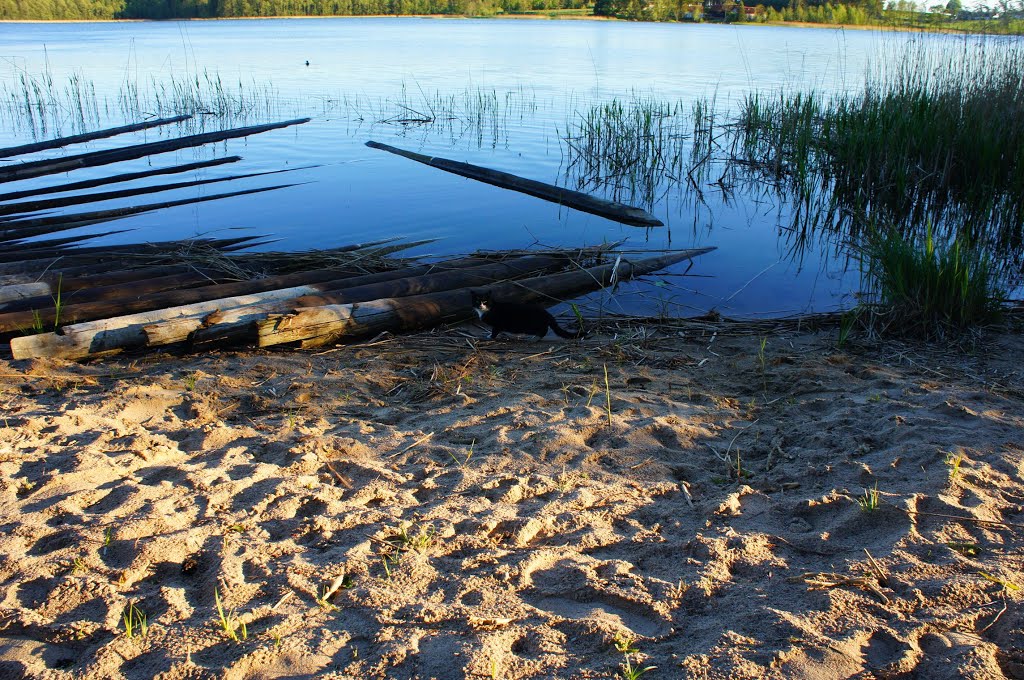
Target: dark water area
<point>503,94</point>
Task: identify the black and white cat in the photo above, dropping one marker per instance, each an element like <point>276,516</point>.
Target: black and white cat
<point>514,317</point>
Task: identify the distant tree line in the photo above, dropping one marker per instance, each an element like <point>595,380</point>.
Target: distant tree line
<point>1007,16</point>
<point>210,9</point>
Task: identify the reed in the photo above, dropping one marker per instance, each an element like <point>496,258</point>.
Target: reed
<point>923,290</point>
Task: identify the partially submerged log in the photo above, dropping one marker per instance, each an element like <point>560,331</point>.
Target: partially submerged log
<point>28,228</point>
<point>611,210</point>
<point>321,325</point>
<point>88,136</point>
<point>115,179</point>
<point>55,244</point>
<point>79,199</point>
<point>10,173</point>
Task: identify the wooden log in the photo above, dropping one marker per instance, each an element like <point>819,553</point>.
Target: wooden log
<point>11,295</point>
<point>45,297</point>
<point>115,179</point>
<point>611,210</point>
<point>77,291</point>
<point>88,136</point>
<point>92,261</point>
<point>54,243</point>
<point>107,278</point>
<point>48,225</point>
<point>108,335</point>
<point>156,249</point>
<point>59,227</point>
<point>320,325</point>
<point>237,323</point>
<point>9,173</point>
<point>79,199</point>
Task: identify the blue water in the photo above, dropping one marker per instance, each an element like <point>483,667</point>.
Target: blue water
<point>363,71</point>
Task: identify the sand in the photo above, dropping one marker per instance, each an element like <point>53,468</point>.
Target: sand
<point>435,506</point>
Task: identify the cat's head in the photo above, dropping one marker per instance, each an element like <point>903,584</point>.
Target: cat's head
<point>481,300</point>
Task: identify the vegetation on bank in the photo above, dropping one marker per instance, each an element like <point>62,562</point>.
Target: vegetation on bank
<point>1008,18</point>
<point>920,289</point>
<point>933,138</point>
<point>931,148</point>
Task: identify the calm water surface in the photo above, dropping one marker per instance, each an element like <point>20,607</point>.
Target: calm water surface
<point>541,75</point>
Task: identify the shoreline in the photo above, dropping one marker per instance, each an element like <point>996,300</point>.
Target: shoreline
<point>515,17</point>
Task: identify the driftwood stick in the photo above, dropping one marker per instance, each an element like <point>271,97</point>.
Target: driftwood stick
<point>88,136</point>
<point>611,210</point>
<point>10,173</point>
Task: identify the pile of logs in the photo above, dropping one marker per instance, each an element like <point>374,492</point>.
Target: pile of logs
<point>82,316</point>
<point>59,299</point>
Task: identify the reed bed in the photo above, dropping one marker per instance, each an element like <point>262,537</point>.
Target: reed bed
<point>633,149</point>
<point>933,138</point>
<point>206,93</point>
<point>42,106</point>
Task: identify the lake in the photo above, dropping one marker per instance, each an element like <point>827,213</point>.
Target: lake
<point>503,94</point>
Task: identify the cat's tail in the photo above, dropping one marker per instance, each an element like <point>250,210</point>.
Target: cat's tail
<point>562,333</point>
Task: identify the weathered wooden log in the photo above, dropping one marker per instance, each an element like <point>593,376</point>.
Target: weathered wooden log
<point>47,225</point>
<point>11,254</point>
<point>92,263</point>
<point>10,173</point>
<point>611,210</point>
<point>238,323</point>
<point>57,228</point>
<point>69,282</point>
<point>93,289</point>
<point>13,294</point>
<point>79,199</point>
<point>45,296</point>
<point>114,334</point>
<point>88,136</point>
<point>115,179</point>
<point>158,249</point>
<point>320,325</point>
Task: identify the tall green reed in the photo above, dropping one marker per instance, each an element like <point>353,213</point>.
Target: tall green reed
<point>919,288</point>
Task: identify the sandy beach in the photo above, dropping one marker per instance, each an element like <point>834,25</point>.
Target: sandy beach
<point>736,501</point>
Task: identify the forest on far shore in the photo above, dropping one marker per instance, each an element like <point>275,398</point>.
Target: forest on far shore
<point>1006,17</point>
